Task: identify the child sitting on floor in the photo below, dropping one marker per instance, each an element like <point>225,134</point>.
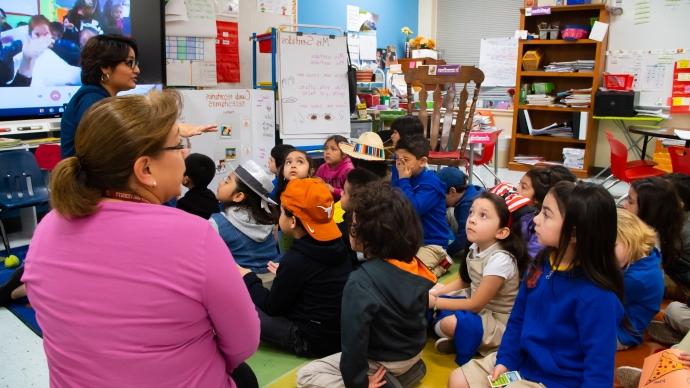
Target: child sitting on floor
<point>642,276</point>
<point>199,200</point>
<point>275,163</point>
<point>384,301</point>
<point>301,311</point>
<point>459,197</point>
<point>246,223</point>
<point>428,196</point>
<point>562,329</point>
<point>495,261</point>
<point>335,165</point>
<point>356,179</point>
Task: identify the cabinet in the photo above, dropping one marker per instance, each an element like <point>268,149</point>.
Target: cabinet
<point>558,50</point>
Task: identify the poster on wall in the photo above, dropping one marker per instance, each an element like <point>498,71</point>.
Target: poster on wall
<point>228,8</point>
<point>227,52</point>
<point>278,7</point>
<point>246,126</point>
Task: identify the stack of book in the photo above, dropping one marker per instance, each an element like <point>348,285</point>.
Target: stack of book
<point>6,142</point>
<point>528,159</point>
<point>577,98</point>
<point>571,66</point>
<point>555,129</point>
<point>574,157</point>
<point>539,99</point>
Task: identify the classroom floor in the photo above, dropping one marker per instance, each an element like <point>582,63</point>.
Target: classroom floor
<point>24,363</point>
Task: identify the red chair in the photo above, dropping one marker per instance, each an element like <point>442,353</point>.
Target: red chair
<point>622,170</point>
<point>485,157</point>
<point>680,159</point>
<point>47,156</point>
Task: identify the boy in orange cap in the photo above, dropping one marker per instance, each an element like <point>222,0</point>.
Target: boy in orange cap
<point>301,311</point>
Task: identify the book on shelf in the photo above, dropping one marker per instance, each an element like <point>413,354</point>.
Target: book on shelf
<point>7,142</point>
<point>580,125</point>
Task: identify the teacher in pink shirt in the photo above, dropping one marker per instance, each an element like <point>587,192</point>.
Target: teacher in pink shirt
<point>129,293</point>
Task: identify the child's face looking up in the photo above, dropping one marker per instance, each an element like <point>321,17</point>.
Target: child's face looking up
<point>296,166</point>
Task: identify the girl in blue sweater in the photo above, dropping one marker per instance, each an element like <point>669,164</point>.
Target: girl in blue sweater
<point>246,224</point>
<point>562,330</point>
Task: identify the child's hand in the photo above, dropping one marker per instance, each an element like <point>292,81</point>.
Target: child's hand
<point>433,299</point>
<point>499,369</point>
<point>684,359</point>
<point>403,170</point>
<point>243,271</point>
<point>376,380</point>
<point>272,267</point>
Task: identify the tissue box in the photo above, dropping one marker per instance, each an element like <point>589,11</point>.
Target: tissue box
<point>425,53</point>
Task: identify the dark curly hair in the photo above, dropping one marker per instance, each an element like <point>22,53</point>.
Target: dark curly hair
<point>543,179</point>
<point>385,223</point>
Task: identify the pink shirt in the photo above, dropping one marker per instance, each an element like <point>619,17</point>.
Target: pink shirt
<point>138,295</point>
<point>335,176</point>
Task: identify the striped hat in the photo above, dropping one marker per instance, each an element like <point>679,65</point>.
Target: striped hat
<point>369,146</point>
<point>508,192</point>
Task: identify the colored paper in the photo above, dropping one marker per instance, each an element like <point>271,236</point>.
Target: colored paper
<point>227,52</point>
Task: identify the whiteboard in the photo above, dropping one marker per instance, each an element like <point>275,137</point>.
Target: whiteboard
<point>314,96</point>
<point>20,7</point>
<point>645,40</point>
<point>498,61</point>
<point>200,20</point>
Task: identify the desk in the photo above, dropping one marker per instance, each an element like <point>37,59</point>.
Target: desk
<point>620,122</point>
<point>646,132</point>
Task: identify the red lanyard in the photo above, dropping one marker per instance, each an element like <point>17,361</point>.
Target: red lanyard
<point>131,197</point>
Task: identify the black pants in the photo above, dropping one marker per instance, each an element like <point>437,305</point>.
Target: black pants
<point>244,377</point>
<point>283,333</point>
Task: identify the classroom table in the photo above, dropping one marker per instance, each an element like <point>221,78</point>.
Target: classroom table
<point>646,132</point>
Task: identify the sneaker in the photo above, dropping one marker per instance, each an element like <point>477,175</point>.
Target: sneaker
<point>663,334</point>
<point>445,345</point>
<point>628,376</point>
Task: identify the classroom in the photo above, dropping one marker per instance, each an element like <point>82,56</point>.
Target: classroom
<point>345,193</point>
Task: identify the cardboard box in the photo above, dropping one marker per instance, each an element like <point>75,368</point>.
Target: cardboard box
<point>425,53</point>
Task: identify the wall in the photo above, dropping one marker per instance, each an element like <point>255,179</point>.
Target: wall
<point>393,15</point>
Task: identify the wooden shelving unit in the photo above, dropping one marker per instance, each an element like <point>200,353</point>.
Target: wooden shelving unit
<point>558,50</point>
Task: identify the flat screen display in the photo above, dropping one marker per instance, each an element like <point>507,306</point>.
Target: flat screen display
<point>41,42</point>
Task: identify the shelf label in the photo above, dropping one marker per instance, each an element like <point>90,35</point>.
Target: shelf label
<point>537,11</point>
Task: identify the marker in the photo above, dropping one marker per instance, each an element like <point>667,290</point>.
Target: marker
<point>30,128</point>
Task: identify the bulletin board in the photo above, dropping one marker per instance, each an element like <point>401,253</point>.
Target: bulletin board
<point>647,39</point>
<point>313,90</point>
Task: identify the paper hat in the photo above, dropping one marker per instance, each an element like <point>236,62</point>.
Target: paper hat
<point>310,200</point>
<point>256,178</point>
<point>369,146</point>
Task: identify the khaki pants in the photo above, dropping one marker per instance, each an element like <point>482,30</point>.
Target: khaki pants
<point>325,372</point>
<point>432,256</point>
<point>677,316</point>
<point>477,370</point>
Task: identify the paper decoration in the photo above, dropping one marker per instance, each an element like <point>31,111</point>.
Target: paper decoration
<point>227,52</point>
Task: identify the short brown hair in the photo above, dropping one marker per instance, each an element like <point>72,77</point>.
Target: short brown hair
<point>111,136</point>
<point>38,20</point>
<point>385,222</point>
<point>104,51</point>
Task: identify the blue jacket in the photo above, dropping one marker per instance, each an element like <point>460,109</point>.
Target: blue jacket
<point>247,253</point>
<point>529,236</point>
<point>562,330</point>
<point>83,99</point>
<point>461,212</point>
<point>428,195</point>
<point>644,291</point>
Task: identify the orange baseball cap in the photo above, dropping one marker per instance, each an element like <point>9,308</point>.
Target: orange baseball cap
<point>310,200</point>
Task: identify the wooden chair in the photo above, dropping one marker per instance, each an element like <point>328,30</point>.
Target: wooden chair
<point>445,139</point>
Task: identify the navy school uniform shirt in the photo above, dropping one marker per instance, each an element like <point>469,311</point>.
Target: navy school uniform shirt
<point>562,330</point>
<point>461,212</point>
<point>83,99</point>
<point>199,201</point>
<point>428,195</point>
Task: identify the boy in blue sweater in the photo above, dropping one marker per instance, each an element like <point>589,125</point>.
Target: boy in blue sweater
<point>459,197</point>
<point>428,196</point>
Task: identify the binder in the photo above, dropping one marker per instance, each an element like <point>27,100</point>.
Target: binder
<point>580,125</point>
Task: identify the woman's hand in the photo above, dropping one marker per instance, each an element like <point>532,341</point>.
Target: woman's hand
<point>243,271</point>
<point>189,130</point>
<point>376,380</point>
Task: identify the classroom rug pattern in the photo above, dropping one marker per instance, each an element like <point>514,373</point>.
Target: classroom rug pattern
<point>21,308</point>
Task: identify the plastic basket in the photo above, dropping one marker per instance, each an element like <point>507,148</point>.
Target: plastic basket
<point>618,81</point>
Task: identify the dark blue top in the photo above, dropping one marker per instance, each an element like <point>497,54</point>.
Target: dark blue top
<point>562,331</point>
<point>461,212</point>
<point>85,97</point>
<point>644,291</point>
<point>428,195</point>
<point>248,253</point>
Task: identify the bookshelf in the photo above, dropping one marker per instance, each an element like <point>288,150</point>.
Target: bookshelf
<point>558,50</point>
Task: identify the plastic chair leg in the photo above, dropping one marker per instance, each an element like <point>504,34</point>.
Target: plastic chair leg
<point>5,240</point>
<point>497,180</point>
<point>474,172</point>
<point>615,182</point>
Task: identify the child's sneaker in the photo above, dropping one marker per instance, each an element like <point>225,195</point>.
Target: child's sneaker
<point>628,376</point>
<point>445,345</point>
<point>663,334</point>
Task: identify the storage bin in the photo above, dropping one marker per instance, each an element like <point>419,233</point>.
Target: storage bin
<point>543,87</point>
<point>618,81</point>
<point>531,61</point>
<point>265,44</point>
<point>575,32</point>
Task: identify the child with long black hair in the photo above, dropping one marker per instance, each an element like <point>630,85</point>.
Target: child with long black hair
<point>656,201</point>
<point>562,329</point>
<point>496,260</point>
<point>246,224</point>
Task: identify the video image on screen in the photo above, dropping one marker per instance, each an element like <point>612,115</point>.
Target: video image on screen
<point>41,43</point>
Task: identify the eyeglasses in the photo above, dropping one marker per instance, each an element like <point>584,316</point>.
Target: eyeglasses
<point>131,63</point>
